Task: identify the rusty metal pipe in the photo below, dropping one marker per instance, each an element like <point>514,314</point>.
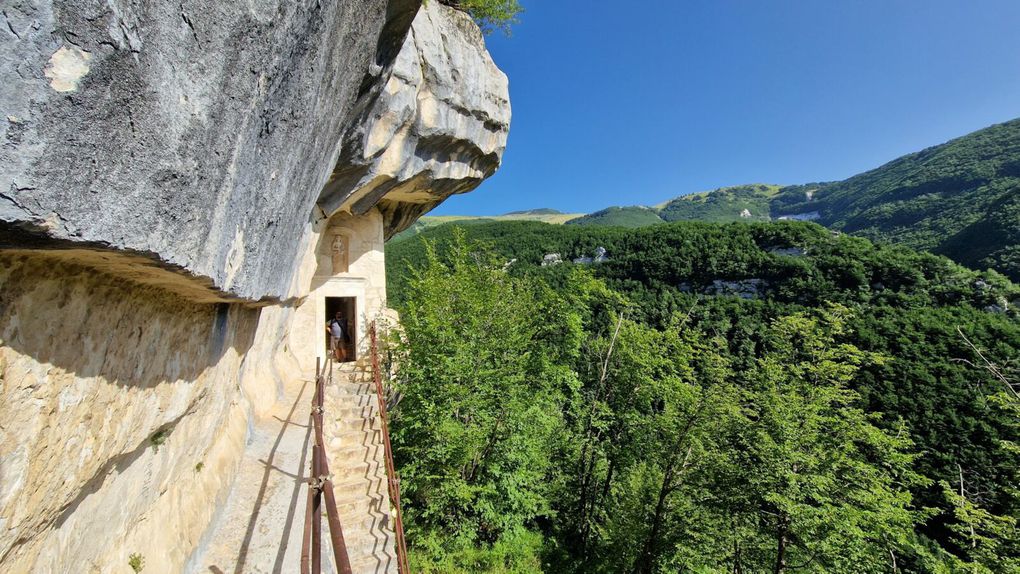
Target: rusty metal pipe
<point>320,489</point>
<point>316,517</point>
<point>306,538</point>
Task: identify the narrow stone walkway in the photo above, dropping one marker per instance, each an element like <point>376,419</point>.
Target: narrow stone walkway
<point>259,529</point>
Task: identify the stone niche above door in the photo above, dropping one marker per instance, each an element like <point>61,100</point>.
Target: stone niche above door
<point>351,246</point>
<point>339,251</point>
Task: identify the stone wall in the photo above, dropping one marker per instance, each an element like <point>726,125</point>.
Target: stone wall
<point>363,277</point>
<point>122,417</point>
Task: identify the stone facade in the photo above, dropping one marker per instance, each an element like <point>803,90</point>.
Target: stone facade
<point>364,279</point>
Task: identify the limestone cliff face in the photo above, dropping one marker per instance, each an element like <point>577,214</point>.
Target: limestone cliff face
<point>121,417</point>
<point>169,176</point>
<point>196,133</point>
<point>438,128</point>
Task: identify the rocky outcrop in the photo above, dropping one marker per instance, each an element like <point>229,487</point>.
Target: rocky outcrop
<point>121,417</point>
<point>744,288</point>
<point>169,172</point>
<point>196,134</point>
<point>438,128</point>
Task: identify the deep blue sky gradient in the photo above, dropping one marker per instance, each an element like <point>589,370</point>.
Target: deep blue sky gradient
<point>622,103</point>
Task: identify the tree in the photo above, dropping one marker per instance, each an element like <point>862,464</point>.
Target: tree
<point>826,490</point>
<point>490,14</point>
<point>987,539</point>
<point>483,387</point>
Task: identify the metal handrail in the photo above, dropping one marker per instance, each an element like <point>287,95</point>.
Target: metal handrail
<point>391,471</point>
<point>320,485</point>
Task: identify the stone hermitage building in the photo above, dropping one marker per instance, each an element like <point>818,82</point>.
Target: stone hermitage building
<point>187,191</point>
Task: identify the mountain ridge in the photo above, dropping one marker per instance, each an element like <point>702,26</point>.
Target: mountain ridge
<point>960,198</point>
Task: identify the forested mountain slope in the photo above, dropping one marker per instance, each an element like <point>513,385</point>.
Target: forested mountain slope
<point>960,199</point>
<point>741,202</point>
<point>631,216</point>
<point>734,291</point>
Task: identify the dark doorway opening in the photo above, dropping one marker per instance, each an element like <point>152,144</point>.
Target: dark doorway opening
<point>348,307</point>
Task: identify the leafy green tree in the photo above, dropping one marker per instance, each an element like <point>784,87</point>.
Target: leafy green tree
<point>490,14</point>
<point>986,531</point>
<point>826,489</point>
<point>483,385</point>
<point>640,348</point>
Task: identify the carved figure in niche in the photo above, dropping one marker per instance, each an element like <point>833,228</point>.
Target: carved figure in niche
<point>338,253</point>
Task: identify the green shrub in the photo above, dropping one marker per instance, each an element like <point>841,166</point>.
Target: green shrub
<point>490,14</point>
<point>159,437</point>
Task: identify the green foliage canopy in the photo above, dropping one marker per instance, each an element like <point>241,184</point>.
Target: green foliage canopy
<point>490,14</point>
<point>669,398</point>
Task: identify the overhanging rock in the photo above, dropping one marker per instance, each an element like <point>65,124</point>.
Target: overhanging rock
<point>196,135</point>
<point>438,128</point>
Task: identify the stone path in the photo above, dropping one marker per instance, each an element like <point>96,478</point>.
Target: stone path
<point>259,529</point>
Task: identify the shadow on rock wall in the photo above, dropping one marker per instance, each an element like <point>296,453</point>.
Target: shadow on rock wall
<point>97,372</point>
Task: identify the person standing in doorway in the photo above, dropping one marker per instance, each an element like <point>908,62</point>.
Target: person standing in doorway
<point>337,329</point>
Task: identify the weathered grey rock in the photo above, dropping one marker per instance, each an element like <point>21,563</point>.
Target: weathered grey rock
<point>806,216</point>
<point>788,251</point>
<point>438,128</point>
<point>197,133</point>
<point>551,259</point>
<point>1001,305</point>
<point>600,257</point>
<point>743,288</point>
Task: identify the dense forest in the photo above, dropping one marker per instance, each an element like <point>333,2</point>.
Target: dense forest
<point>741,397</point>
<point>632,216</point>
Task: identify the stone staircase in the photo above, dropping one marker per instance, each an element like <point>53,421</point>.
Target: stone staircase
<point>354,446</point>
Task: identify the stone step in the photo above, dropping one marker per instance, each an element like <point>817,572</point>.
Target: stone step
<point>345,471</point>
<point>361,506</point>
<point>356,452</point>
<point>354,372</point>
<point>361,536</point>
<point>373,562</point>
<point>336,401</point>
<point>349,470</point>
<point>355,448</point>
<point>349,412</point>
<point>366,536</point>
<point>353,438</point>
<point>348,389</point>
<point>339,426</point>
<point>372,554</point>
<point>352,489</point>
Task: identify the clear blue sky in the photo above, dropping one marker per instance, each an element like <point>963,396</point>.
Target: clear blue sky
<point>622,103</point>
